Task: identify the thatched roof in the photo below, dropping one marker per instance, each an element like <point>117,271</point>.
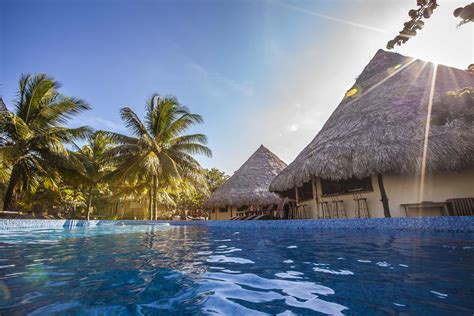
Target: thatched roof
<point>379,126</point>
<point>3,107</point>
<point>249,185</point>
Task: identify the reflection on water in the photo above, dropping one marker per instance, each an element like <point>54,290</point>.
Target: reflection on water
<point>228,289</point>
<point>199,270</point>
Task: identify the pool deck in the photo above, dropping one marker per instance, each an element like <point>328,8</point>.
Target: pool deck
<point>441,224</point>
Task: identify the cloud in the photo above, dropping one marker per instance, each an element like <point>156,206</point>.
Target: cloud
<point>216,82</point>
<point>331,18</point>
<point>100,123</point>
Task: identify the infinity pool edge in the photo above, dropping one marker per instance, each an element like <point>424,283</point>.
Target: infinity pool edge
<point>445,224</point>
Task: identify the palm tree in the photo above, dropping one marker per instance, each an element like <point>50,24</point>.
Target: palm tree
<point>138,189</point>
<point>71,198</point>
<point>34,134</point>
<point>93,165</point>
<point>158,147</point>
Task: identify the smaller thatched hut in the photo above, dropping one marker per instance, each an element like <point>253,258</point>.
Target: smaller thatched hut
<point>395,145</point>
<point>247,188</point>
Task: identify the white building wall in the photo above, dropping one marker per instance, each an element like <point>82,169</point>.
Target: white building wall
<point>437,188</point>
<point>403,189</point>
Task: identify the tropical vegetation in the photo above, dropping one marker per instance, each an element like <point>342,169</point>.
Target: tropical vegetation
<point>454,106</point>
<point>153,166</point>
<point>34,135</point>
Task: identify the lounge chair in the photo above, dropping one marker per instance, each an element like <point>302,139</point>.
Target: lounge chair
<point>261,217</point>
<point>244,217</point>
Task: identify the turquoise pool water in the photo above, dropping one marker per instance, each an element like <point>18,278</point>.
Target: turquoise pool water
<point>196,270</point>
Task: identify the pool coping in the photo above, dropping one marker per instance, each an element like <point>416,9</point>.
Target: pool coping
<point>463,224</point>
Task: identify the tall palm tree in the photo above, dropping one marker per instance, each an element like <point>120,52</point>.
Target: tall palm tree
<point>94,165</point>
<point>158,147</point>
<point>33,135</point>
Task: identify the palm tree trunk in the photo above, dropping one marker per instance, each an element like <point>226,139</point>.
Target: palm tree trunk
<point>14,178</point>
<point>150,204</point>
<point>383,195</point>
<point>89,202</point>
<point>155,196</point>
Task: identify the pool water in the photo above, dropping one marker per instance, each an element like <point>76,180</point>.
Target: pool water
<point>197,270</point>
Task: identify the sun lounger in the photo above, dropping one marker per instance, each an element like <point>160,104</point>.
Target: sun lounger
<point>251,217</point>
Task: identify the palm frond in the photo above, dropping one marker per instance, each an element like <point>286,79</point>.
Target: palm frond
<point>14,127</point>
<point>37,91</point>
<point>62,110</point>
<point>132,122</point>
<point>192,138</point>
<point>120,138</point>
<point>150,111</point>
<point>193,149</point>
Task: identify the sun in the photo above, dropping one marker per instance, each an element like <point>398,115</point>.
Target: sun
<point>441,41</point>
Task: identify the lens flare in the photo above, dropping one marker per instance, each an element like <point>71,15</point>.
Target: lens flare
<point>427,133</point>
<point>4,291</point>
<point>352,92</point>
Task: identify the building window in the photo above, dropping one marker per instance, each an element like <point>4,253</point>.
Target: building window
<point>223,210</point>
<point>288,194</point>
<point>346,186</point>
<point>305,192</point>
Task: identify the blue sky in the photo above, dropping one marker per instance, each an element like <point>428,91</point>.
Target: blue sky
<point>258,71</point>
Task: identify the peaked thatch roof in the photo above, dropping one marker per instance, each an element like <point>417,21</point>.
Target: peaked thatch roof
<point>249,185</point>
<point>379,126</point>
<point>3,107</point>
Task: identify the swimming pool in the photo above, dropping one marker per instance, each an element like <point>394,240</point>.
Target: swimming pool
<point>212,269</point>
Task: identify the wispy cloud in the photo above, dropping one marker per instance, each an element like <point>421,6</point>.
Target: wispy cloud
<point>217,82</point>
<point>330,18</point>
<point>100,123</point>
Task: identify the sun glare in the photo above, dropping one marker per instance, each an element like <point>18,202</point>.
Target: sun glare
<point>427,133</point>
<point>352,92</point>
<point>442,42</point>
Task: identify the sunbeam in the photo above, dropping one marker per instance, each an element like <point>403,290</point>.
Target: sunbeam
<point>378,84</point>
<point>427,132</point>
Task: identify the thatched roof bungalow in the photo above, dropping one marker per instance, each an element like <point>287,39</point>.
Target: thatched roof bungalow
<point>374,142</point>
<point>248,186</point>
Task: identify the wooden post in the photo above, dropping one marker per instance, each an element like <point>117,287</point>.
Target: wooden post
<point>295,211</point>
<point>315,195</point>
<point>383,195</point>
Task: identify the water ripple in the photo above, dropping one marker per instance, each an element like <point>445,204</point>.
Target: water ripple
<point>229,288</point>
